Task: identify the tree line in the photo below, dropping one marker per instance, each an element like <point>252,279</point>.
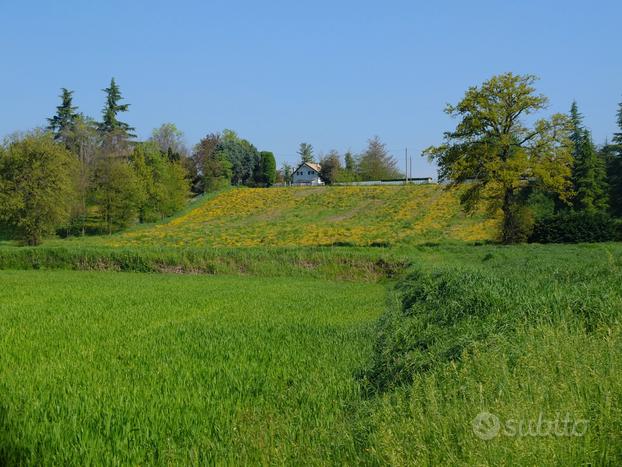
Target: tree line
<point>79,175</point>
<point>529,172</point>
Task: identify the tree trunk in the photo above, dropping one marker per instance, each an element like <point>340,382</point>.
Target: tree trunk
<point>509,221</point>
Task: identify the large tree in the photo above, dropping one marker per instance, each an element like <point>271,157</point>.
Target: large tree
<point>376,163</point>
<point>589,175</point>
<point>305,151</point>
<point>110,124</point>
<point>36,185</point>
<point>62,124</point>
<point>501,159</point>
<point>242,155</point>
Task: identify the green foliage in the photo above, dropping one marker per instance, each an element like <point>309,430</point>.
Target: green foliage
<point>612,154</point>
<point>617,137</point>
<point>267,169</point>
<point>242,156</point>
<point>330,167</point>
<point>461,339</point>
<point>37,188</point>
<point>110,123</point>
<point>498,156</point>
<point>170,140</point>
<point>162,188</point>
<point>589,173</point>
<point>117,193</point>
<point>376,163</point>
<point>286,173</point>
<point>213,166</point>
<point>576,227</point>
<point>62,124</point>
<point>305,151</point>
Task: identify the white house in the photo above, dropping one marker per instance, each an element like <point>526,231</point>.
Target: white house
<point>307,173</point>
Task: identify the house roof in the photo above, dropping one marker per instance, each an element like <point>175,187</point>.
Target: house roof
<point>312,165</point>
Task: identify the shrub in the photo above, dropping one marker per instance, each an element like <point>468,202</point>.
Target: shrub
<point>576,227</point>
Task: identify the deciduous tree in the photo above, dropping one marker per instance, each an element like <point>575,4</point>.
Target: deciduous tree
<point>36,185</point>
<point>499,157</point>
<point>330,167</point>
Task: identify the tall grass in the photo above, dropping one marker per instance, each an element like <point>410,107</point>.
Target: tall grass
<point>538,342</point>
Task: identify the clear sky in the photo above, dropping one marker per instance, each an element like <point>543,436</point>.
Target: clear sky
<point>331,73</point>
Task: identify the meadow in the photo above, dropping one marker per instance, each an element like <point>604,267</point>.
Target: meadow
<point>315,216</point>
<point>317,368</point>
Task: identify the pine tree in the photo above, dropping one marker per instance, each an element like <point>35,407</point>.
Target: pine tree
<point>617,137</point>
<point>590,177</point>
<point>305,151</point>
<point>589,174</point>
<point>614,167</point>
<point>63,123</point>
<point>110,125</point>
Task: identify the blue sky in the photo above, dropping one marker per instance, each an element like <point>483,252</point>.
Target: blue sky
<point>331,73</point>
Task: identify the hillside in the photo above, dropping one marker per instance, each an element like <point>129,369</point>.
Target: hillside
<point>360,216</point>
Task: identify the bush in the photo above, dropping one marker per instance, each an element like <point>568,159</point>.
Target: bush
<point>576,227</point>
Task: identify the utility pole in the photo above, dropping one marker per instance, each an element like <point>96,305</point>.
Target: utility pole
<point>406,160</point>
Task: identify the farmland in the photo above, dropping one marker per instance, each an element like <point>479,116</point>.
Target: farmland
<point>315,367</point>
<point>129,368</point>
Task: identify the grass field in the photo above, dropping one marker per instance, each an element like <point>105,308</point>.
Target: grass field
<point>357,326</point>
<point>109,368</point>
<point>134,368</point>
<point>315,216</point>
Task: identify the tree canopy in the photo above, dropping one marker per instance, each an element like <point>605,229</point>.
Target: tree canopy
<point>498,156</point>
<point>36,185</point>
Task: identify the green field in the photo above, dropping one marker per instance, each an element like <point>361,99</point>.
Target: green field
<point>108,368</point>
<point>135,368</point>
<point>167,345</point>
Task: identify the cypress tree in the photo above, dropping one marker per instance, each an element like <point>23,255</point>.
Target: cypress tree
<point>62,124</point>
<point>110,124</point>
